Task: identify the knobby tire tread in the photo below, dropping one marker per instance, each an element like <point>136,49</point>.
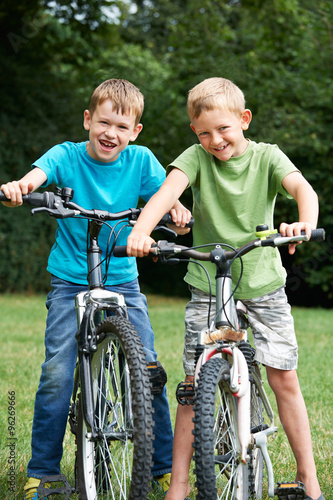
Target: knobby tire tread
<point>121,328</point>
<point>211,374</point>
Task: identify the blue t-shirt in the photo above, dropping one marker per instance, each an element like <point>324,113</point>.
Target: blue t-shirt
<point>112,186</point>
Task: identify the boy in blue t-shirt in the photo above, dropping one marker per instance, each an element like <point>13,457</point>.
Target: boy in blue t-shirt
<point>105,173</point>
<point>234,184</point>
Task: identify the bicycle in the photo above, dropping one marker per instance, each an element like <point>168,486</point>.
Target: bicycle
<point>233,416</point>
<point>111,408</point>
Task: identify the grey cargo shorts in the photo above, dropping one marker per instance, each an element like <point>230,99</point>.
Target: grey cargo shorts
<point>271,323</point>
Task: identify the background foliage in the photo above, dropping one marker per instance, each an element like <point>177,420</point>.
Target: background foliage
<point>55,52</point>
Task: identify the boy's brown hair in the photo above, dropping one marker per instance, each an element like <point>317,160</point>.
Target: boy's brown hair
<point>215,93</point>
<point>125,97</point>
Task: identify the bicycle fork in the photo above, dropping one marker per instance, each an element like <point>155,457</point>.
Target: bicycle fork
<point>240,387</point>
<point>90,306</point>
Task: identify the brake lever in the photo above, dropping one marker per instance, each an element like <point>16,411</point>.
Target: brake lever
<point>58,213</point>
<point>169,232</point>
<point>279,240</point>
<point>283,240</point>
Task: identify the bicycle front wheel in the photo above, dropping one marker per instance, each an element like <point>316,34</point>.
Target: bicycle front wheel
<point>117,464</point>
<point>217,454</point>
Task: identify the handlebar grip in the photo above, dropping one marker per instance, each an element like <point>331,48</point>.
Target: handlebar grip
<point>45,199</point>
<point>318,234</point>
<point>120,251</point>
<point>167,219</point>
<point>3,197</point>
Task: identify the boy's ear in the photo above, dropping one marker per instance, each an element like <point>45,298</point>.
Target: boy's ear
<point>136,131</point>
<point>86,120</point>
<point>192,127</point>
<point>246,119</point>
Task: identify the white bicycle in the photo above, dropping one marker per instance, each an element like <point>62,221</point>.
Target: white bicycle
<point>233,416</point>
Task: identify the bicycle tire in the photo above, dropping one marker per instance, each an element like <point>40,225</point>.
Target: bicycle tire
<point>220,473</point>
<point>256,463</point>
<point>118,464</point>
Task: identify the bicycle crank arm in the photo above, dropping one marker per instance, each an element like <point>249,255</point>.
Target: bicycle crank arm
<point>260,440</point>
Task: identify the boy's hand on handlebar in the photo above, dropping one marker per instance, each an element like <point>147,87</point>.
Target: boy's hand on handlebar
<point>295,230</point>
<point>14,191</point>
<point>180,217</point>
<point>138,244</point>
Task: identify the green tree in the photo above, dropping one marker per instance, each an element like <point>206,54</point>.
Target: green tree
<point>53,56</point>
<point>44,92</point>
<point>280,54</point>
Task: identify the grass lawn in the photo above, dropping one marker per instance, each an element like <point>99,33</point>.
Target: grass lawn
<point>22,351</point>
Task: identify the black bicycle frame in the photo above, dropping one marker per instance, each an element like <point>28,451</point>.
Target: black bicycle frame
<point>92,302</point>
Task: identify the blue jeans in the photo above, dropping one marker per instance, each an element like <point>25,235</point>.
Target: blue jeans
<point>56,382</point>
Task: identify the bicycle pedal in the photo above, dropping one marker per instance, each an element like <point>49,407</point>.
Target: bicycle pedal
<point>66,489</point>
<point>185,393</point>
<point>158,377</point>
<point>290,491</point>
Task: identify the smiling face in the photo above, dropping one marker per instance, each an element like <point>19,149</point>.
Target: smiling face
<point>220,132</point>
<point>109,132</point>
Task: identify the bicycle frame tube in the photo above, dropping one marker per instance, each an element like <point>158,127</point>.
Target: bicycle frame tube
<point>95,273</point>
<point>226,314</point>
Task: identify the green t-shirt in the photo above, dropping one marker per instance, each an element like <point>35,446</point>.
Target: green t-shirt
<point>230,198</point>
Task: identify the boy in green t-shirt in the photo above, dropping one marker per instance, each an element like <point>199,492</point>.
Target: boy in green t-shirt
<point>234,184</point>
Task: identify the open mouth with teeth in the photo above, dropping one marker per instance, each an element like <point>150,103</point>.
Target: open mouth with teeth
<point>222,148</point>
<point>107,146</point>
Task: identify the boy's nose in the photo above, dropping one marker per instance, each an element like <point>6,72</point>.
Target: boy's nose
<point>111,132</point>
<point>216,140</point>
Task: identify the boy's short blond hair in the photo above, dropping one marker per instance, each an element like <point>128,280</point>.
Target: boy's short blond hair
<point>126,97</point>
<point>215,93</point>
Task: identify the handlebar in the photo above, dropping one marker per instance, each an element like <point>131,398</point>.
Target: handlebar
<point>60,206</point>
<point>166,249</point>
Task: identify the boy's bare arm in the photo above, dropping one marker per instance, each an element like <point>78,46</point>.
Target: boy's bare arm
<point>308,207</point>
<point>29,183</point>
<point>139,241</point>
